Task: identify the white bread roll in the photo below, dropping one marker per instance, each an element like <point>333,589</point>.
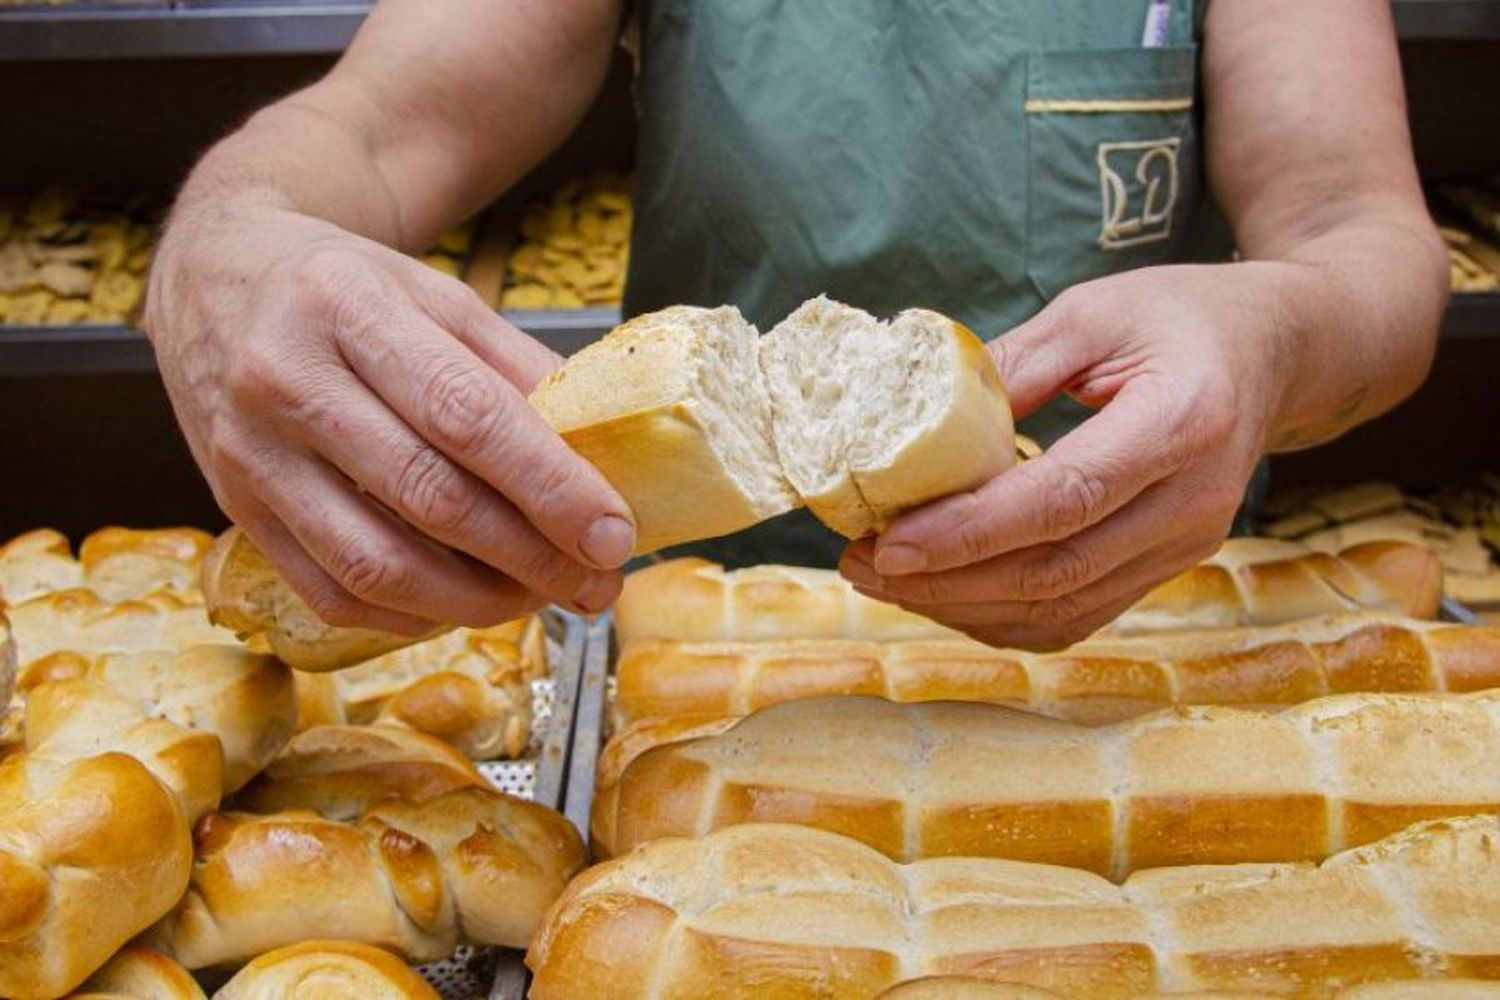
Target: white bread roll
<point>140,974</point>
<point>7,663</point>
<point>974,988</point>
<point>770,910</point>
<point>327,970</point>
<point>672,409</point>
<point>873,419</point>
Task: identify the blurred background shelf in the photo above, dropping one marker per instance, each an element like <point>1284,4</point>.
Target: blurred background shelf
<point>136,31</point>
<point>1447,20</point>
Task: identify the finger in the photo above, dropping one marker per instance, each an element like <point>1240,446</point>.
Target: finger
<point>1089,474</point>
<point>322,592</point>
<point>370,445</point>
<point>522,360</point>
<point>368,552</point>
<point>1050,569</point>
<point>1039,359</point>
<point>451,398</point>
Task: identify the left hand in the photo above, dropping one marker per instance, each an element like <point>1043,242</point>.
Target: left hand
<point>1183,364</point>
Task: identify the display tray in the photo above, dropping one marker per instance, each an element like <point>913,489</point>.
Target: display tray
<point>541,775</point>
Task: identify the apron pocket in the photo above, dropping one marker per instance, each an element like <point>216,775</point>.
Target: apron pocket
<point>1113,161</point>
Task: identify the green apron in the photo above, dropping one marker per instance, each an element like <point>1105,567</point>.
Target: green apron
<point>975,157</point>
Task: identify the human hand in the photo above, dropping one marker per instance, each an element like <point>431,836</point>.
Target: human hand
<point>364,419</point>
<point>1184,364</point>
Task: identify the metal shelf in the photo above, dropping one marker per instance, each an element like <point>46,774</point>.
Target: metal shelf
<point>122,350</point>
<point>1447,20</point>
<point>139,31</point>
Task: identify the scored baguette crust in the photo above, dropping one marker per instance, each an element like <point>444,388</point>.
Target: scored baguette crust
<point>1263,581</point>
<point>1100,680</point>
<point>775,910</point>
<point>974,988</point>
<point>1182,786</point>
<point>416,878</point>
<point>327,970</point>
<point>694,600</point>
<point>141,974</point>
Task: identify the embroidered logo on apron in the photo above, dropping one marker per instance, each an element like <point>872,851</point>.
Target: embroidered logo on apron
<point>1138,186</point>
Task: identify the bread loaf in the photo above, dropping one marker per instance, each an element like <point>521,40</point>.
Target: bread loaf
<point>77,626</point>
<point>694,600</point>
<point>140,974</point>
<point>1182,786</point>
<point>416,878</point>
<point>974,988</point>
<point>1263,581</point>
<point>341,772</point>
<point>92,851</point>
<point>468,687</point>
<point>117,564</point>
<point>771,910</point>
<point>872,419</point>
<point>327,970</point>
<point>1100,680</point>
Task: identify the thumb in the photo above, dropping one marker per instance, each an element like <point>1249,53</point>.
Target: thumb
<point>1040,358</point>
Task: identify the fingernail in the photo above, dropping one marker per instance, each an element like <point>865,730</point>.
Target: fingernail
<point>608,541</point>
<point>860,573</point>
<point>894,560</point>
<point>596,593</point>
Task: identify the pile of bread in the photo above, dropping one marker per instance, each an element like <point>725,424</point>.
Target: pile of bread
<point>172,791</point>
<point>1275,776</point>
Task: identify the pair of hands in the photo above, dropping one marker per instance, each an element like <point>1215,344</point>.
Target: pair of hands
<point>365,420</point>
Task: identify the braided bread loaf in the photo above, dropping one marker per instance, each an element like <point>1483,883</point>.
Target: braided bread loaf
<point>63,630</point>
<point>414,877</point>
<point>974,988</point>
<point>468,687</point>
<point>1182,786</point>
<point>116,563</point>
<point>772,910</point>
<point>327,970</point>
<point>1101,680</point>
<point>94,817</point>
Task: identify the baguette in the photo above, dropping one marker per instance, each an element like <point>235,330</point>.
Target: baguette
<point>694,600</point>
<point>773,910</point>
<point>327,970</point>
<point>1262,581</point>
<point>140,974</point>
<point>472,865</point>
<point>342,772</point>
<point>704,429</point>
<point>1098,681</point>
<point>468,687</point>
<point>1182,786</point>
<point>974,988</point>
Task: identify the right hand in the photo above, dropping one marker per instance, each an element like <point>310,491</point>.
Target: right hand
<point>364,419</point>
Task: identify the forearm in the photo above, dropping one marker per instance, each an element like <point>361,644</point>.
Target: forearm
<point>1356,310</point>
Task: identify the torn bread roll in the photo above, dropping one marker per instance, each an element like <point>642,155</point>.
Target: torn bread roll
<point>327,970</point>
<point>1265,581</point>
<point>418,878</point>
<point>774,910</point>
<point>705,428</point>
<point>1098,681</point>
<point>1202,785</point>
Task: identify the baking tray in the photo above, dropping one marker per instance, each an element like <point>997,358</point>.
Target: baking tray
<point>541,775</point>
